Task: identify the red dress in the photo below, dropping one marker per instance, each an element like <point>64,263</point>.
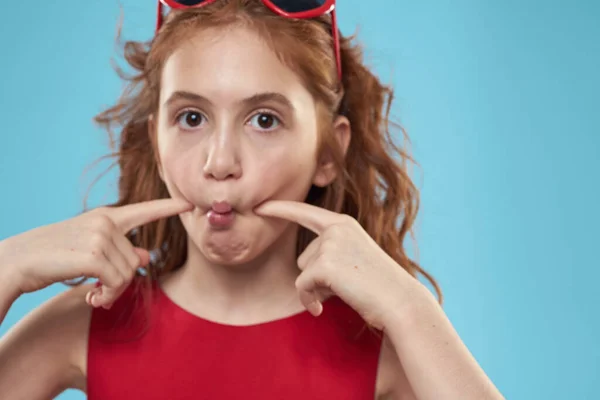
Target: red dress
<point>154,349</point>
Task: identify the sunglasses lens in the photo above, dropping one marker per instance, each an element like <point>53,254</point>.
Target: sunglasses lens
<point>190,2</point>
<point>295,6</point>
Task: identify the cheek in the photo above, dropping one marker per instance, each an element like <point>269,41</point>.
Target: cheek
<point>177,170</point>
<point>284,171</point>
<point>285,176</point>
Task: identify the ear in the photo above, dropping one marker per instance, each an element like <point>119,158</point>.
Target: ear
<point>154,140</point>
<point>326,170</point>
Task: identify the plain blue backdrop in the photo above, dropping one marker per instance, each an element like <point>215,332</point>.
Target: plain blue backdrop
<point>501,101</point>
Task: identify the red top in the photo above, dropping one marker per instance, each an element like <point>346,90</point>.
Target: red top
<point>156,350</point>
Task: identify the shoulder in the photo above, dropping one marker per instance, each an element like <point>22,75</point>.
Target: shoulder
<point>50,343</point>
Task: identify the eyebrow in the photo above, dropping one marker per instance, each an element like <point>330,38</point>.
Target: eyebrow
<point>249,101</point>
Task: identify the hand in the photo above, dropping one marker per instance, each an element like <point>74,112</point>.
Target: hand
<point>92,245</point>
<point>343,260</point>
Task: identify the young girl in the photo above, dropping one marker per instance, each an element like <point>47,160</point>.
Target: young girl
<point>254,251</point>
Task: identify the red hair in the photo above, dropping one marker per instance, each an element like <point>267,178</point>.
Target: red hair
<point>373,183</point>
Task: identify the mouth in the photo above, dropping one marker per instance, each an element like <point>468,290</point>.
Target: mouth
<point>221,207</point>
<point>221,215</point>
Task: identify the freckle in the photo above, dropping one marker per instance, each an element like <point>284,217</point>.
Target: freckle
<point>93,253</point>
<point>356,267</point>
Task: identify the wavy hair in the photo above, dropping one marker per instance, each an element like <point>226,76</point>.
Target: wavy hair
<point>373,183</point>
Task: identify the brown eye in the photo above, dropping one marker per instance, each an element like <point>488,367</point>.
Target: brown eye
<point>265,121</point>
<point>190,119</point>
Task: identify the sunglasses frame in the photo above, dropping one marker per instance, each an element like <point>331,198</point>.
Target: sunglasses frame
<point>327,7</point>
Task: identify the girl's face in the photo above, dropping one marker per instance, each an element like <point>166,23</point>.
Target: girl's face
<point>235,128</point>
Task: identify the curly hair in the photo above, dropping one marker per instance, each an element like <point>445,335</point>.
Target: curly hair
<point>373,185</point>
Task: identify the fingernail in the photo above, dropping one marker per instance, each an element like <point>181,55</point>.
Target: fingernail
<point>316,308</point>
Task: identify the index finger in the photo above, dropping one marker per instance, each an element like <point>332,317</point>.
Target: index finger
<point>315,218</point>
<point>134,215</point>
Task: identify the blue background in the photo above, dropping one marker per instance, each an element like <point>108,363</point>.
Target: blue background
<point>501,102</point>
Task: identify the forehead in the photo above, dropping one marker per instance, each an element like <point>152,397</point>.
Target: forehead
<point>229,63</point>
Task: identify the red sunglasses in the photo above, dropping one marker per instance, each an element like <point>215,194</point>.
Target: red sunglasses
<point>286,8</point>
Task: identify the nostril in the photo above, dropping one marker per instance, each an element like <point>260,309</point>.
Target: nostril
<point>222,177</point>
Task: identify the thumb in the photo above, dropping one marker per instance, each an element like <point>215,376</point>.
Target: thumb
<point>308,291</point>
<point>144,256</point>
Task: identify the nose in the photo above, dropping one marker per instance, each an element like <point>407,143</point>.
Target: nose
<point>223,161</point>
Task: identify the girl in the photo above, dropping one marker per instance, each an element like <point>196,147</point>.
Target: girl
<point>256,164</point>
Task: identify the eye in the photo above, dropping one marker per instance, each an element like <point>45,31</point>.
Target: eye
<point>190,119</point>
<point>265,121</point>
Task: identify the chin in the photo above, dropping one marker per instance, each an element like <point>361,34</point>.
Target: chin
<point>228,248</point>
<point>241,243</point>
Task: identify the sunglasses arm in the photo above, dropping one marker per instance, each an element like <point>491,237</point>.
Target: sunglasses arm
<point>159,15</point>
<point>336,44</point>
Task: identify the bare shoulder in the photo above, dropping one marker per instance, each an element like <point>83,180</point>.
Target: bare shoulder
<point>392,383</point>
<point>49,344</point>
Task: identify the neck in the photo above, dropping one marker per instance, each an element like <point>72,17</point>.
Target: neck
<point>264,285</point>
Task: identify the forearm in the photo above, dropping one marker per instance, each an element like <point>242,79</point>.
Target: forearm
<point>436,362</point>
<point>9,291</point>
<point>8,295</point>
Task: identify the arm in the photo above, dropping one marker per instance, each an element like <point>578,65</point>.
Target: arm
<point>345,260</point>
<point>8,290</point>
<point>433,357</point>
<point>46,352</point>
